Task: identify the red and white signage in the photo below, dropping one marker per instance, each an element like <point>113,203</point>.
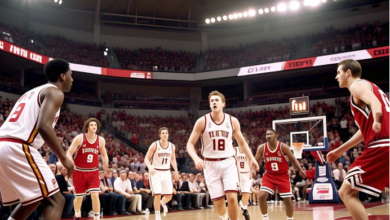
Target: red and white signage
<point>127,73</point>
<point>21,52</point>
<point>322,191</point>
<point>315,61</point>
<point>258,69</point>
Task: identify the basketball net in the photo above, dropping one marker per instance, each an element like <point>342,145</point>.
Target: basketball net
<point>298,149</point>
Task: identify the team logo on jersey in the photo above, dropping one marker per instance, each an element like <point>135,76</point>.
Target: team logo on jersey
<point>54,183</point>
<point>227,125</point>
<point>278,153</point>
<point>84,145</point>
<point>266,154</point>
<point>209,124</point>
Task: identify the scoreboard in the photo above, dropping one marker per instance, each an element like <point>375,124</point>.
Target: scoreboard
<point>299,105</point>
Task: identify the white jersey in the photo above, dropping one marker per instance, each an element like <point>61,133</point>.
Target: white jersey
<point>161,159</point>
<point>242,161</point>
<point>217,139</point>
<point>22,122</point>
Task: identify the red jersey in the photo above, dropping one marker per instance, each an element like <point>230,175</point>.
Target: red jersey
<point>275,163</point>
<point>364,118</point>
<point>87,155</point>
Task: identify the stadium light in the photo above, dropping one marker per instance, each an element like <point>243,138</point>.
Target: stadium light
<point>225,17</point>
<point>266,10</point>
<point>261,11</point>
<point>230,17</point>
<point>235,16</point>
<point>219,18</point>
<point>252,12</point>
<point>323,1</point>
<point>55,1</point>
<point>240,15</point>
<point>273,9</point>
<point>282,7</point>
<point>207,21</point>
<point>212,20</point>
<point>32,41</point>
<point>294,5</point>
<point>106,48</point>
<point>105,53</point>
<point>245,14</point>
<point>60,2</point>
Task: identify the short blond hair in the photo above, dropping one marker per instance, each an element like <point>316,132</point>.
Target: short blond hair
<point>215,92</point>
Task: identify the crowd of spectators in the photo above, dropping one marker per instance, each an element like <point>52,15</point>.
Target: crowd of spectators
<point>56,46</point>
<point>156,59</point>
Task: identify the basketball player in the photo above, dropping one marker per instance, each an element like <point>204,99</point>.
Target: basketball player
<point>25,177</point>
<point>370,107</point>
<point>158,159</point>
<point>216,131</point>
<point>245,179</point>
<point>276,172</point>
<point>85,148</point>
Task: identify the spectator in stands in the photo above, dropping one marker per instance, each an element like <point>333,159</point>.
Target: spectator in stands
<point>62,181</point>
<point>193,197</point>
<point>143,188</point>
<point>123,186</point>
<point>119,200</point>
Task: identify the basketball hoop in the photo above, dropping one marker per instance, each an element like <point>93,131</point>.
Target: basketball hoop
<point>297,148</point>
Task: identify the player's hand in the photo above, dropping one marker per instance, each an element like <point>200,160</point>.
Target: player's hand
<point>152,171</point>
<point>176,176</point>
<point>332,156</point>
<point>69,165</point>
<point>376,126</point>
<point>255,165</point>
<point>199,163</point>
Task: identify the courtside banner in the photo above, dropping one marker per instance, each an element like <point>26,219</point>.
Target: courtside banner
<point>21,52</point>
<point>259,69</point>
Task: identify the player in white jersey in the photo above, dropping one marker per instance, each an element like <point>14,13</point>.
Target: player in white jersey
<point>158,159</point>
<point>25,177</point>
<point>216,131</point>
<point>245,178</point>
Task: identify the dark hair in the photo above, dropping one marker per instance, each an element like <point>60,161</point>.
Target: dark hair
<point>353,65</point>
<point>270,129</point>
<point>54,68</point>
<point>86,125</point>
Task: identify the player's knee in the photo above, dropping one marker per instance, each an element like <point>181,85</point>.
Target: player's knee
<point>263,195</point>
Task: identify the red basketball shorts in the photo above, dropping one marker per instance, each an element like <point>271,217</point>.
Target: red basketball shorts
<point>369,173</point>
<point>280,181</point>
<point>85,182</point>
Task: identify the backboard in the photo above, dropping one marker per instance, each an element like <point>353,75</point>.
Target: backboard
<point>311,131</point>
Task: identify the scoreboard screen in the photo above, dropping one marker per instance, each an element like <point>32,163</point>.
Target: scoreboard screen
<point>299,105</point>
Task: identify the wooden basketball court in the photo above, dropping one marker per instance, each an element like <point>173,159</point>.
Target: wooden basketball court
<point>303,211</point>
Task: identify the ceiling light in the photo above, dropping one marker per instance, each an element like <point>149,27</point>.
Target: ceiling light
<point>207,21</point>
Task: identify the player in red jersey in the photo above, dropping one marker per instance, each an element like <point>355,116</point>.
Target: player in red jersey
<point>276,172</point>
<point>85,148</point>
<point>370,107</point>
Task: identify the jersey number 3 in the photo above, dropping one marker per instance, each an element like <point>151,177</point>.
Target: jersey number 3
<point>15,116</point>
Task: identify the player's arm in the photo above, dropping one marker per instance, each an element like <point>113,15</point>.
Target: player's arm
<point>286,150</point>
<point>174,163</point>
<point>73,146</point>
<point>103,152</point>
<point>362,91</point>
<point>196,132</point>
<point>51,99</point>
<point>242,143</point>
<point>336,153</point>
<point>148,156</point>
<point>259,154</point>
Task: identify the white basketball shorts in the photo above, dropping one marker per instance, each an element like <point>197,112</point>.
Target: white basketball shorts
<point>245,182</point>
<point>24,176</point>
<point>161,182</point>
<point>221,177</point>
